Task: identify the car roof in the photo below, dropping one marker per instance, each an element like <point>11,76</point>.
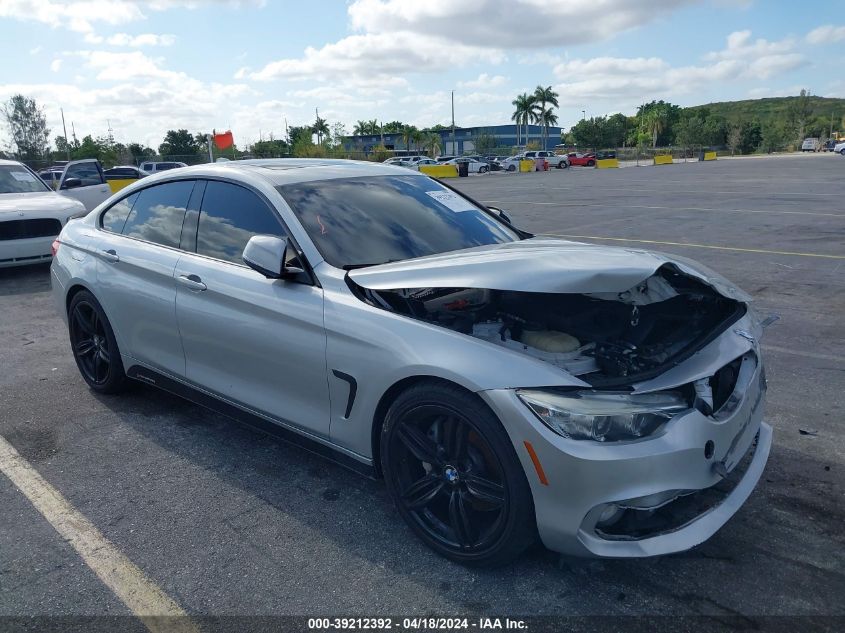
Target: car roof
<point>284,171</point>
<point>4,161</point>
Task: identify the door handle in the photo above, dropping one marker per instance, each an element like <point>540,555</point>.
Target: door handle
<point>192,281</point>
<point>110,256</point>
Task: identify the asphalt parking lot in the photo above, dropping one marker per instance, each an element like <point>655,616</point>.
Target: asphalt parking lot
<point>230,522</point>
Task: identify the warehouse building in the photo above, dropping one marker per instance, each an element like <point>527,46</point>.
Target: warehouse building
<point>498,139</point>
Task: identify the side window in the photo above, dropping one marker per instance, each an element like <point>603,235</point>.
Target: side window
<point>230,215</point>
<point>158,213</point>
<point>114,219</point>
<point>88,173</point>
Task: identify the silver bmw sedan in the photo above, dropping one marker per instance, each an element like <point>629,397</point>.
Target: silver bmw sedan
<point>506,386</point>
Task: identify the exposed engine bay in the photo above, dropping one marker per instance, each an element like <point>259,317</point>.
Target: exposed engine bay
<point>604,338</point>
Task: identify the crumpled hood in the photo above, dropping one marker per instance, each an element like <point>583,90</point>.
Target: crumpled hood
<point>37,204</point>
<point>539,264</point>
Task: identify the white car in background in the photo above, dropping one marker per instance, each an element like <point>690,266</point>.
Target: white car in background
<point>511,163</point>
<point>154,167</point>
<point>31,215</point>
<point>839,148</point>
<point>424,161</point>
<point>475,166</point>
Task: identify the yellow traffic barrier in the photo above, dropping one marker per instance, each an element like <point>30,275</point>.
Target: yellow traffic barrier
<point>607,163</point>
<point>709,155</point>
<point>527,165</point>
<point>663,160</point>
<point>440,171</point>
<point>119,183</point>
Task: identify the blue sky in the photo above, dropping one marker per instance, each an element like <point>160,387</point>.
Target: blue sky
<point>247,65</point>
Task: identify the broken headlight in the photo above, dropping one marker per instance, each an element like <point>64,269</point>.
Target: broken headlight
<point>603,416</point>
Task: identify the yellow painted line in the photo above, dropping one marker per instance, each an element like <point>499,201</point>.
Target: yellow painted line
<point>718,248</point>
<point>659,208</point>
<point>158,612</point>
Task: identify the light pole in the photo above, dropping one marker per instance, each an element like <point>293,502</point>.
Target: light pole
<point>454,148</point>
<point>583,115</point>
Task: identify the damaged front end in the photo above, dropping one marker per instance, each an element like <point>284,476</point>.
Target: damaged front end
<point>606,339</point>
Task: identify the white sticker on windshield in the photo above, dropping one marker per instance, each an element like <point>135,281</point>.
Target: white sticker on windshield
<point>451,200</point>
<point>23,176</point>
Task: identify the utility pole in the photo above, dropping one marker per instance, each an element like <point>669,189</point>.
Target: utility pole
<point>454,145</point>
<point>73,131</point>
<point>64,127</point>
<point>210,150</point>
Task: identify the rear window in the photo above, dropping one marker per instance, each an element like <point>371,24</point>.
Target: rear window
<point>158,213</point>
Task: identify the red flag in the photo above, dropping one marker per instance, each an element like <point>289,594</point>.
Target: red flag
<point>222,141</point>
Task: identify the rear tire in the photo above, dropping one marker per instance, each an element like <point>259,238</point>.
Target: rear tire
<point>93,345</point>
<point>591,163</point>
<point>511,167</point>
<point>454,476</point>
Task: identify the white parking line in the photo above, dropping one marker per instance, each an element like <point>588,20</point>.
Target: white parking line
<point>145,600</point>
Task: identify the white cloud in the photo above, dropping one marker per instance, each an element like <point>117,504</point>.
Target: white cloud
<point>509,23</point>
<point>56,65</point>
<point>76,16</point>
<point>136,41</point>
<point>826,34</point>
<point>372,56</point>
<point>35,50</point>
<point>633,79</point>
<point>484,81</point>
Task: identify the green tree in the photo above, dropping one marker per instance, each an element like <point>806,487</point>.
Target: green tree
<point>138,152</point>
<point>409,134</point>
<point>798,114</point>
<point>179,145</point>
<point>690,132</point>
<point>321,129</point>
<point>298,133</point>
<point>360,128</point>
<point>27,127</point>
<point>774,136</point>
<point>545,96</point>
<point>484,142</point>
<point>431,142</point>
<point>272,148</point>
<point>524,111</point>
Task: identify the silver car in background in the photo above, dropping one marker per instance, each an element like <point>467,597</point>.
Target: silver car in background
<point>506,386</point>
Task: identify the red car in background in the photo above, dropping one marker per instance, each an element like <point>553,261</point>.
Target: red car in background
<point>582,160</point>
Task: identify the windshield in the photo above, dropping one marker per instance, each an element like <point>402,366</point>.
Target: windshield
<point>366,221</point>
<point>18,179</point>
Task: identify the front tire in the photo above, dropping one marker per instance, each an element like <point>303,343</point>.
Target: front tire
<point>93,344</point>
<point>511,167</point>
<point>842,151</point>
<point>591,163</point>
<point>454,476</point>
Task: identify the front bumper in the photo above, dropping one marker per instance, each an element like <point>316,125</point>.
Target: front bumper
<point>23,252</point>
<point>676,467</point>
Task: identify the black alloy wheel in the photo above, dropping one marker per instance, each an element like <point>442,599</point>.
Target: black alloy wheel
<point>455,477</point>
<point>93,344</point>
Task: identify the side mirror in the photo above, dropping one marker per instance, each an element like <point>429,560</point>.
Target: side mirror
<point>267,255</point>
<point>500,214</point>
<point>71,183</point>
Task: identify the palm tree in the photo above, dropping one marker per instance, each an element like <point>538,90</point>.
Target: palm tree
<point>546,97</point>
<point>524,111</point>
<point>320,128</point>
<point>360,129</point>
<point>408,134</point>
<point>547,118</point>
<point>432,143</point>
